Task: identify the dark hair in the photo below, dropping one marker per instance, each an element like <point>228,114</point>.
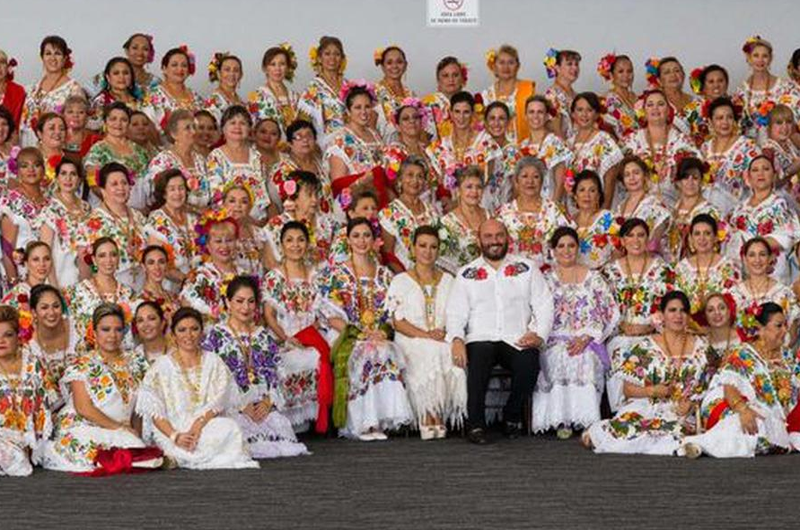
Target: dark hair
<point>590,98</point>
<point>538,98</point>
<point>56,42</point>
<point>358,221</point>
<point>273,52</point>
<point>722,101</point>
<point>233,111</point>
<point>563,231</point>
<point>294,225</point>
<point>10,315</point>
<point>618,59</point>
<point>675,295</point>
<point>761,156</point>
<point>354,92</point>
<point>795,59</point>
<point>231,57</point>
<point>127,43</point>
<point>711,68</point>
<point>665,60</point>
<point>241,282</point>
<point>47,116</point>
<point>203,113</point>
<point>155,306</point>
<point>563,55</point>
<point>389,49</point>
<point>107,310</point>
<point>66,160</point>
<point>305,179</point>
<point>588,174</point>
<point>754,241</point>
<point>361,195</point>
<point>6,115</point>
<point>634,222</point>
<point>688,164</point>
<point>131,88</point>
<point>161,182</point>
<point>424,230</point>
<point>445,62</point>
<point>108,169</point>
<point>38,291</point>
<point>633,159</point>
<point>261,121</point>
<point>497,105</point>
<point>327,40</point>
<point>100,241</point>
<point>297,126</point>
<point>766,311</point>
<point>183,313</point>
<point>704,219</point>
<point>173,51</point>
<point>149,249</point>
<point>462,97</point>
<point>33,245</point>
<point>117,105</point>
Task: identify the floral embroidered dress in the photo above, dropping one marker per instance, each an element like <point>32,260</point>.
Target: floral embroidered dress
<point>772,218</point>
<point>180,396</point>
<point>217,103</point>
<point>128,233</point>
<point>136,162</point>
<point>600,153</point>
<point>620,116</point>
<point>263,104</point>
<point>748,303</point>
<point>652,211</point>
<point>369,374</point>
<point>436,387</point>
<point>769,387</point>
<point>400,222</point>
<point>729,188</point>
<point>598,240</point>
<point>223,173</point>
<point>203,290</point>
<point>458,243</point>
<point>446,159</point>
<point>561,102</point>
<point>394,154</point>
<point>321,237</point>
<point>280,173</point>
<point>758,103</point>
<point>67,233</point>
<point>439,106</point>
<point>83,298</point>
<point>652,425</point>
<point>681,222</point>
<point>158,105</point>
<point>683,117</point>
<point>358,155</point>
<point>25,421</point>
<point>258,372</point>
<point>38,102</point>
<point>386,106</point>
<point>196,176</point>
<point>320,102</point>
<point>56,363</point>
<point>569,387</point>
<point>786,154</point>
<point>696,285</point>
<point>113,390</point>
<point>177,240</point>
<point>23,213</point>
<point>552,151</point>
<point>530,232</point>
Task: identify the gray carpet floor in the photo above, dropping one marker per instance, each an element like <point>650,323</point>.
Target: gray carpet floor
<point>532,482</point>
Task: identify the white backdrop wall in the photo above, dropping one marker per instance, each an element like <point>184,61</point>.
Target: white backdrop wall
<point>696,31</point>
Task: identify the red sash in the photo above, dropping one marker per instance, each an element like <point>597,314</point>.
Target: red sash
<point>310,337</point>
<point>717,411</point>
<point>379,181</point>
<point>793,419</point>
<point>115,461</point>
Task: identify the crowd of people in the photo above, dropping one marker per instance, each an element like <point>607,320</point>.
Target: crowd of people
<point>191,281</point>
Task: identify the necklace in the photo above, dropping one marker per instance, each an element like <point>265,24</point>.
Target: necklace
<point>59,344</point>
<point>107,296</point>
<point>14,379</point>
<point>460,147</point>
<point>754,293</point>
<point>365,300</point>
<point>633,284</point>
<point>429,294</point>
<point>244,341</point>
<point>190,377</point>
<point>469,223</point>
<point>702,275</point>
<point>121,375</point>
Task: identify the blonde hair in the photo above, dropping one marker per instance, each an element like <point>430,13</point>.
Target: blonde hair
<point>509,50</point>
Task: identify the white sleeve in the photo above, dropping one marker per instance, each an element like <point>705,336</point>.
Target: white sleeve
<point>541,306</point>
<point>457,310</point>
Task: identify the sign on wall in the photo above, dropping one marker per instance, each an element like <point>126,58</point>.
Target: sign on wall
<point>452,13</point>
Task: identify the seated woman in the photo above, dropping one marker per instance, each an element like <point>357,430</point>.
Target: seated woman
<point>370,394</point>
<point>100,390</point>
<point>437,389</point>
<point>37,262</point>
<point>458,229</point>
<point>185,400</point>
<point>150,327</point>
<point>24,390</point>
<point>718,319</point>
<point>571,380</point>
<point>639,202</point>
<point>252,254</point>
<point>746,407</point>
<point>291,308</point>
<point>596,226</point>
<point>663,383</point>
<point>251,355</point>
<point>364,204</point>
<point>155,262</point>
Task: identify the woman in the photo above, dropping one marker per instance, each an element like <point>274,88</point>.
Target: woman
<point>405,214</point>
<point>225,70</point>
<point>593,149</point>
<point>266,139</point>
<point>671,77</point>
<point>596,226</point>
<point>100,389</point>
<point>746,407</point>
<point>85,296</point>
<point>79,136</point>
<point>186,400</point>
<point>55,86</point>
<point>498,186</point>
<point>143,133</point>
<point>780,130</point>
<point>764,214</point>
<point>663,384</point>
<point>171,225</point>
<point>364,204</point>
<point>275,100</point>
<point>451,78</point>
<point>546,146</point>
<point>639,280</point>
<point>757,287</point>
<point>115,219</point>
<point>140,52</point>
<point>25,420</point>
<point>570,384</point>
<point>7,125</point>
<point>37,261</point>
<point>183,156</point>
<point>509,89</point>
<point>658,142</point>
<point>729,155</point>
<point>155,262</point>
<point>20,207</point>
<point>238,161</point>
<point>390,91</point>
<point>410,122</point>
<point>13,94</point>
<point>761,90</point>
<point>172,93</point>
<point>635,177</point>
<point>116,147</point>
<point>150,327</point>
<point>118,84</point>
<point>458,230</point>
<point>370,395</point>
<point>710,83</point>
<point>252,255</point>
<point>207,135</point>
<point>322,103</point>
<point>690,178</point>
<point>203,287</point>
<point>530,219</point>
<point>564,66</point>
<point>718,318</point>
<point>51,130</point>
<point>620,100</point>
<point>437,389</point>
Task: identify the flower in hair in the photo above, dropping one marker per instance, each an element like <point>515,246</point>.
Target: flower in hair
<point>192,62</point>
<point>68,62</point>
<point>291,68</point>
<point>694,80</point>
<point>651,71</point>
<point>464,73</point>
<point>422,110</point>
<point>12,163</point>
<point>750,43</point>
<point>550,62</point>
<point>313,57</point>
<point>151,55</point>
<point>358,83</point>
<point>210,218</point>
<point>569,181</point>
<point>491,58</point>
<point>12,63</point>
<point>605,65</point>
<point>25,333</point>
<point>215,64</point>
<point>288,189</point>
<point>377,56</point>
<point>761,115</point>
<point>345,198</point>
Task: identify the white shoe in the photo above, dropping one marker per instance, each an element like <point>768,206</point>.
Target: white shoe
<point>428,432</point>
<point>441,432</point>
<point>379,436</point>
<point>367,437</point>
<point>692,451</point>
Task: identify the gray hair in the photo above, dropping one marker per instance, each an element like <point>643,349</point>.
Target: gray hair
<point>413,160</point>
<point>107,310</point>
<point>530,161</point>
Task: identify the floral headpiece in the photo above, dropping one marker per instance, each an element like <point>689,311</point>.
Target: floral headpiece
<point>192,62</point>
<point>68,62</point>
<point>752,42</point>
<point>605,65</point>
<point>90,338</point>
<point>151,55</point>
<point>464,72</point>
<point>651,71</point>
<point>638,107</point>
<point>415,103</point>
<point>291,68</point>
<point>12,63</point>
<point>313,58</point>
<point>358,83</point>
<point>569,181</point>
<point>209,219</point>
<point>694,80</point>
<point>761,114</point>
<point>238,181</point>
<point>215,64</point>
<point>550,62</point>
<point>288,190</point>
<point>12,163</point>
<point>377,55</point>
<point>25,333</point>
<point>491,57</point>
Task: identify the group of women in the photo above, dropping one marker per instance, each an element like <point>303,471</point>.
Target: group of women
<point>209,276</point>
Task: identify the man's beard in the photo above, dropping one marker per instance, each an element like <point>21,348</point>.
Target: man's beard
<point>495,252</point>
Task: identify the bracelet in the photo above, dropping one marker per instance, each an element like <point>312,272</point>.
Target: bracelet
<point>174,437</point>
<point>735,403</point>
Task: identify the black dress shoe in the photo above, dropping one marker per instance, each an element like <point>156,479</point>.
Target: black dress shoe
<point>477,436</point>
<point>512,431</point>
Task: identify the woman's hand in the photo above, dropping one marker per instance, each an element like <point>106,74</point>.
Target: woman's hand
<point>748,419</point>
<point>437,334</point>
<point>661,391</point>
<point>376,334</point>
<point>186,441</point>
<point>578,345</point>
<point>683,407</point>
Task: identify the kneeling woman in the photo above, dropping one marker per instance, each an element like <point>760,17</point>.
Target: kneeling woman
<point>370,394</point>
<point>663,378</point>
<point>252,357</point>
<point>750,398</point>
<point>100,390</point>
<point>184,399</point>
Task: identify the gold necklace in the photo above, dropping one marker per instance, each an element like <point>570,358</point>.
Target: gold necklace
<point>245,347</point>
<point>194,388</point>
<point>429,294</point>
<point>365,301</point>
<point>14,379</point>
<point>120,373</point>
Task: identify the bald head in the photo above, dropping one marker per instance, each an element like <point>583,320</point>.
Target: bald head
<point>493,237</point>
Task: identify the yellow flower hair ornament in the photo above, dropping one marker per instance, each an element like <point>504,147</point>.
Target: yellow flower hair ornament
<point>550,62</point>
<point>291,68</point>
<point>491,58</point>
<point>215,64</point>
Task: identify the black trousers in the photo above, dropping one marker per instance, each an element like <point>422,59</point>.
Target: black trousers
<point>482,358</point>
